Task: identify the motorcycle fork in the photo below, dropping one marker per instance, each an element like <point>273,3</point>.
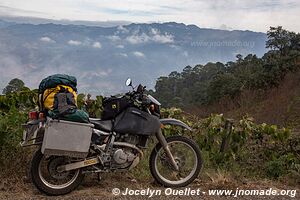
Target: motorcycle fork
<point>162,140</point>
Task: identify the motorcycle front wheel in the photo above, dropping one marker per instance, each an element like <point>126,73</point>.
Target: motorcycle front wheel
<point>48,180</point>
<point>187,156</point>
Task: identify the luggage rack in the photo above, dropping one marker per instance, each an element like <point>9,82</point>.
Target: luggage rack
<point>33,133</point>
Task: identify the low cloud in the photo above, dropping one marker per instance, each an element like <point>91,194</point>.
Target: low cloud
<point>161,38</point>
<point>10,67</point>
<point>123,54</point>
<point>122,29</point>
<point>74,42</point>
<point>138,54</point>
<point>47,39</point>
<point>185,54</point>
<point>174,47</point>
<point>97,45</point>
<point>95,73</point>
<point>114,38</point>
<point>120,46</point>
<point>154,35</point>
<point>137,39</point>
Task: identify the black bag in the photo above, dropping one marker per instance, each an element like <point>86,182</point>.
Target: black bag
<point>136,122</point>
<point>113,106</point>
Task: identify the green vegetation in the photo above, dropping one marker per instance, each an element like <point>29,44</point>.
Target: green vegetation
<point>13,112</point>
<point>14,85</point>
<point>14,109</point>
<point>241,145</point>
<point>206,84</point>
<point>264,150</point>
<point>92,106</point>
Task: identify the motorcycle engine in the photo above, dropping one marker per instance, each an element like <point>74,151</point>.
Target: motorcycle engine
<point>122,156</point>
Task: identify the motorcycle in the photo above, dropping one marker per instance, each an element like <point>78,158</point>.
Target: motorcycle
<point>116,145</point>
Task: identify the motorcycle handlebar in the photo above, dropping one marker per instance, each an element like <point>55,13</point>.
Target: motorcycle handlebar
<point>140,90</point>
<point>138,95</point>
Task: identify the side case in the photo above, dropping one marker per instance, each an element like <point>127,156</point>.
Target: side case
<point>136,122</point>
<point>65,138</point>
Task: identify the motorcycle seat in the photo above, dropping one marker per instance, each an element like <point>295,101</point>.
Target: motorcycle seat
<point>103,125</point>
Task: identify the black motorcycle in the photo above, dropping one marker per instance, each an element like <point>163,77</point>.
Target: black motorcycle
<point>113,143</point>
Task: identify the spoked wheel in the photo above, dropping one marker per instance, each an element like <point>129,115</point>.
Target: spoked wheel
<point>187,156</point>
<point>47,179</point>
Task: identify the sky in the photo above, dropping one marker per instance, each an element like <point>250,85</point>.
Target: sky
<point>255,15</point>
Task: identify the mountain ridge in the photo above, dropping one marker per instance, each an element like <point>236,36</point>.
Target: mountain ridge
<point>103,57</point>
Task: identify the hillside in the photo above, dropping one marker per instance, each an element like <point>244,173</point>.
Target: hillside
<point>280,105</point>
<point>266,87</point>
<point>103,57</point>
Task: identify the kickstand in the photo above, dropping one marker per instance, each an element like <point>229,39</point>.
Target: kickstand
<point>99,177</point>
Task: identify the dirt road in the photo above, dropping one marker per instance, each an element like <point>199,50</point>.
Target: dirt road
<point>92,189</point>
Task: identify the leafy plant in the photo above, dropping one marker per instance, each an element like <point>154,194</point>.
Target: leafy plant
<point>226,144</point>
<point>230,143</point>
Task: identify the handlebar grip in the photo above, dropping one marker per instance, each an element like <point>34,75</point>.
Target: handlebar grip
<point>140,89</point>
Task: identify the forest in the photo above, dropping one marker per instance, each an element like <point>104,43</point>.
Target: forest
<point>209,83</point>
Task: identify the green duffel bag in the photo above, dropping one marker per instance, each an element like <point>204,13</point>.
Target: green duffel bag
<point>58,79</point>
<point>74,116</point>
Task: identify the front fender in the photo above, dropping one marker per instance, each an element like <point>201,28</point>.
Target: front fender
<point>175,122</point>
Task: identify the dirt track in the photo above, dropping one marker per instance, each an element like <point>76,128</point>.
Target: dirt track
<point>91,188</point>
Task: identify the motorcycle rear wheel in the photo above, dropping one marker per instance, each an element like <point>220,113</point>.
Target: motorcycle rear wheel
<point>53,187</point>
<point>185,152</point>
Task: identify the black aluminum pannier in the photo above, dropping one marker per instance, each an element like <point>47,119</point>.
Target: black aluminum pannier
<point>113,106</point>
<point>137,122</point>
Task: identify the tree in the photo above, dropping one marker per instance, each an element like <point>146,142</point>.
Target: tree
<point>174,74</point>
<point>14,85</point>
<point>295,42</point>
<point>187,70</point>
<point>279,39</point>
<point>239,58</point>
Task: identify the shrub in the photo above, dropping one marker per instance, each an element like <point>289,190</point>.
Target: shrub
<point>244,144</point>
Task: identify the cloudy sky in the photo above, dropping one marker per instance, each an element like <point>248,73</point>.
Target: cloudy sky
<point>233,14</point>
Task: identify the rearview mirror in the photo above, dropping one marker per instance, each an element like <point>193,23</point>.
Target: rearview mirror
<point>128,82</point>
